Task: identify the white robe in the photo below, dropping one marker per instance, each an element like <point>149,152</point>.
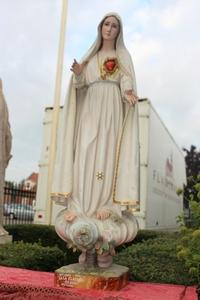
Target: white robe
<point>96,138</point>
<point>98,165</point>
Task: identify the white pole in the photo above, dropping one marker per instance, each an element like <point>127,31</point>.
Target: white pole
<point>56,109</point>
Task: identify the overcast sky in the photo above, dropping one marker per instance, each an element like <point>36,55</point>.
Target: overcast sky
<point>163,37</point>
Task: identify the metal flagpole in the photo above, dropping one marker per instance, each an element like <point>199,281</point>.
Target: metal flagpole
<point>56,109</point>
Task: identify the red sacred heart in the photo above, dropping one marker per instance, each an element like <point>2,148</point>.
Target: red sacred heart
<point>110,64</point>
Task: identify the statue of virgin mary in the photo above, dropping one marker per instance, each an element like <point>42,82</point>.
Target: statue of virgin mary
<point>97,170</point>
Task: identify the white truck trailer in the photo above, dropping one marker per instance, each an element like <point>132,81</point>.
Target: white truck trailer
<point>162,171</point>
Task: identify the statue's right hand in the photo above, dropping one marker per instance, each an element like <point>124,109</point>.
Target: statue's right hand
<point>77,68</point>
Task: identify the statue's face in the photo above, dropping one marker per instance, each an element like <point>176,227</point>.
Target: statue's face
<point>110,28</point>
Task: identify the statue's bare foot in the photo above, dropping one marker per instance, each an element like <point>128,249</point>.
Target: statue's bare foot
<point>69,216</point>
<point>104,260</point>
<point>103,214</point>
<point>82,258</point>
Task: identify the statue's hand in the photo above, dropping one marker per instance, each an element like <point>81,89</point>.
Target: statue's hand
<point>69,216</point>
<point>131,97</point>
<point>77,68</point>
<point>103,214</point>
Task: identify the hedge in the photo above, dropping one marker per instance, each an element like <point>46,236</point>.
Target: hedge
<point>32,233</point>
<point>31,256</point>
<point>45,235</point>
<point>155,260</point>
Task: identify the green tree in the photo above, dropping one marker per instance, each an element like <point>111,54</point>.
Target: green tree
<point>188,249</point>
<point>192,160</point>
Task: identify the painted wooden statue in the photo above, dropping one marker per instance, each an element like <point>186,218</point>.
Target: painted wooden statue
<point>97,170</point>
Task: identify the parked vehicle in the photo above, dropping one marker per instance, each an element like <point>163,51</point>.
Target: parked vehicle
<point>19,211</point>
<point>162,172</point>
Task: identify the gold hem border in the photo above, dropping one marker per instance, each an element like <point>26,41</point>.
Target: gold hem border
<point>127,202</point>
<point>117,160</point>
<point>65,195</point>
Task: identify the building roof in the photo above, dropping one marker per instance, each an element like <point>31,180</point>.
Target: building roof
<point>33,177</point>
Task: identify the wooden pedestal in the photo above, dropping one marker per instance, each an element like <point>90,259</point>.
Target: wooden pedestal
<point>78,276</point>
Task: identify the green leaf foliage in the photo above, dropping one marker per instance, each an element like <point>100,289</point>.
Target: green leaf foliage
<point>194,214</point>
<point>32,233</point>
<point>45,235</point>
<point>188,251</point>
<point>155,260</point>
<point>31,256</point>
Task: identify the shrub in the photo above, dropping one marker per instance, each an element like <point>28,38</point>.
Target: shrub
<point>155,260</point>
<point>31,256</point>
<point>44,235</point>
<point>194,214</point>
<point>144,235</point>
<point>32,233</point>
<point>192,194</point>
<point>188,252</point>
<point>189,245</point>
